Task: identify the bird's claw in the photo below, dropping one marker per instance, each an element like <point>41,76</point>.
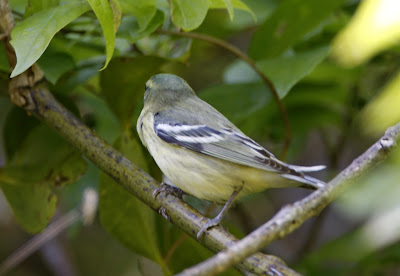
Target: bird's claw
<point>169,190</point>
<point>163,212</point>
<point>211,223</point>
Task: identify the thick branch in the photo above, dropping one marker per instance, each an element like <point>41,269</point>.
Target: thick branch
<point>237,52</point>
<point>292,216</point>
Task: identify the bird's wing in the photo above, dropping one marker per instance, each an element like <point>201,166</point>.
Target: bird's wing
<point>225,143</point>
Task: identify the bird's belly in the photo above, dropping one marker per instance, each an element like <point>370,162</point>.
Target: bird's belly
<point>207,177</point>
<point>198,175</point>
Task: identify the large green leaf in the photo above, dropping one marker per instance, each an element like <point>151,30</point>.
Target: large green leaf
<point>230,5</point>
<point>35,6</point>
<point>143,10</point>
<point>55,64</point>
<point>14,136</point>
<point>43,161</point>
<point>284,71</point>
<point>290,22</point>
<point>244,99</point>
<point>374,27</point>
<point>31,37</point>
<point>188,14</point>
<point>122,83</point>
<point>131,30</point>
<point>108,14</point>
<point>29,195</point>
<point>123,215</point>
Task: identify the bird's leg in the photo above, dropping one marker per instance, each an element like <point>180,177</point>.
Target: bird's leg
<point>168,189</point>
<point>217,220</point>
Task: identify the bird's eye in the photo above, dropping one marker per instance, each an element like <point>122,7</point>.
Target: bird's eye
<point>146,87</point>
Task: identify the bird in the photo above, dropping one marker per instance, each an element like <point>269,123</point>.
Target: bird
<point>203,154</point>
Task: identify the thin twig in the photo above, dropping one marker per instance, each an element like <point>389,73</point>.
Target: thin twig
<point>84,212</point>
<point>292,216</point>
<point>236,51</point>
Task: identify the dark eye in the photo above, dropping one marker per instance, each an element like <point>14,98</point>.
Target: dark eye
<point>146,87</point>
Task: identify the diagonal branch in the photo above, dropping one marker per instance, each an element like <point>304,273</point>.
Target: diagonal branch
<point>292,216</point>
<point>237,52</point>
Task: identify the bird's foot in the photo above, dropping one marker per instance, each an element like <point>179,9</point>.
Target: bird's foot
<point>168,190</point>
<point>211,223</point>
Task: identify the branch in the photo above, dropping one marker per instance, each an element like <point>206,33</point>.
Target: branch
<point>237,52</point>
<point>292,216</point>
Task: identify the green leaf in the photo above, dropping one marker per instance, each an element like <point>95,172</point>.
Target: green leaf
<point>188,14</point>
<point>105,15</point>
<point>244,99</point>
<point>131,30</point>
<point>230,5</point>
<point>282,29</point>
<point>43,161</point>
<point>55,64</point>
<point>382,112</point>
<point>123,215</point>
<point>31,37</point>
<point>29,196</point>
<point>123,82</point>
<point>35,6</point>
<point>143,10</point>
<point>284,71</point>
<point>374,27</point>
<point>17,126</point>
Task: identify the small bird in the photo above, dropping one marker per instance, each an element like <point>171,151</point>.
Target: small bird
<point>205,155</point>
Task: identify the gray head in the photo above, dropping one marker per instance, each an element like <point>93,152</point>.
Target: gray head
<point>166,88</point>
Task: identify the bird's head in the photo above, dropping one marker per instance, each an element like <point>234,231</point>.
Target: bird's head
<point>164,89</point>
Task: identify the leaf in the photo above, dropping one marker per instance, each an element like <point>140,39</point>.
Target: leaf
<point>35,6</point>
<point>374,27</point>
<point>116,9</point>
<point>143,10</point>
<point>188,14</point>
<point>244,99</point>
<point>131,30</point>
<point>382,112</point>
<point>14,136</point>
<point>43,161</point>
<point>284,72</point>
<point>123,215</point>
<point>29,196</point>
<point>105,15</point>
<point>230,5</point>
<point>123,82</point>
<point>55,64</point>
<point>282,30</point>
<point>31,37</point>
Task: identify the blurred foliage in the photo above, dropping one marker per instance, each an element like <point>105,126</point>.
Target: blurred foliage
<point>335,65</point>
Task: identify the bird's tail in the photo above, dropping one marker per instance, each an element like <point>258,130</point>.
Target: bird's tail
<point>309,181</point>
<point>307,169</point>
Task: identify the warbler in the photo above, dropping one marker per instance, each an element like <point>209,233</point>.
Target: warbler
<point>205,155</point>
